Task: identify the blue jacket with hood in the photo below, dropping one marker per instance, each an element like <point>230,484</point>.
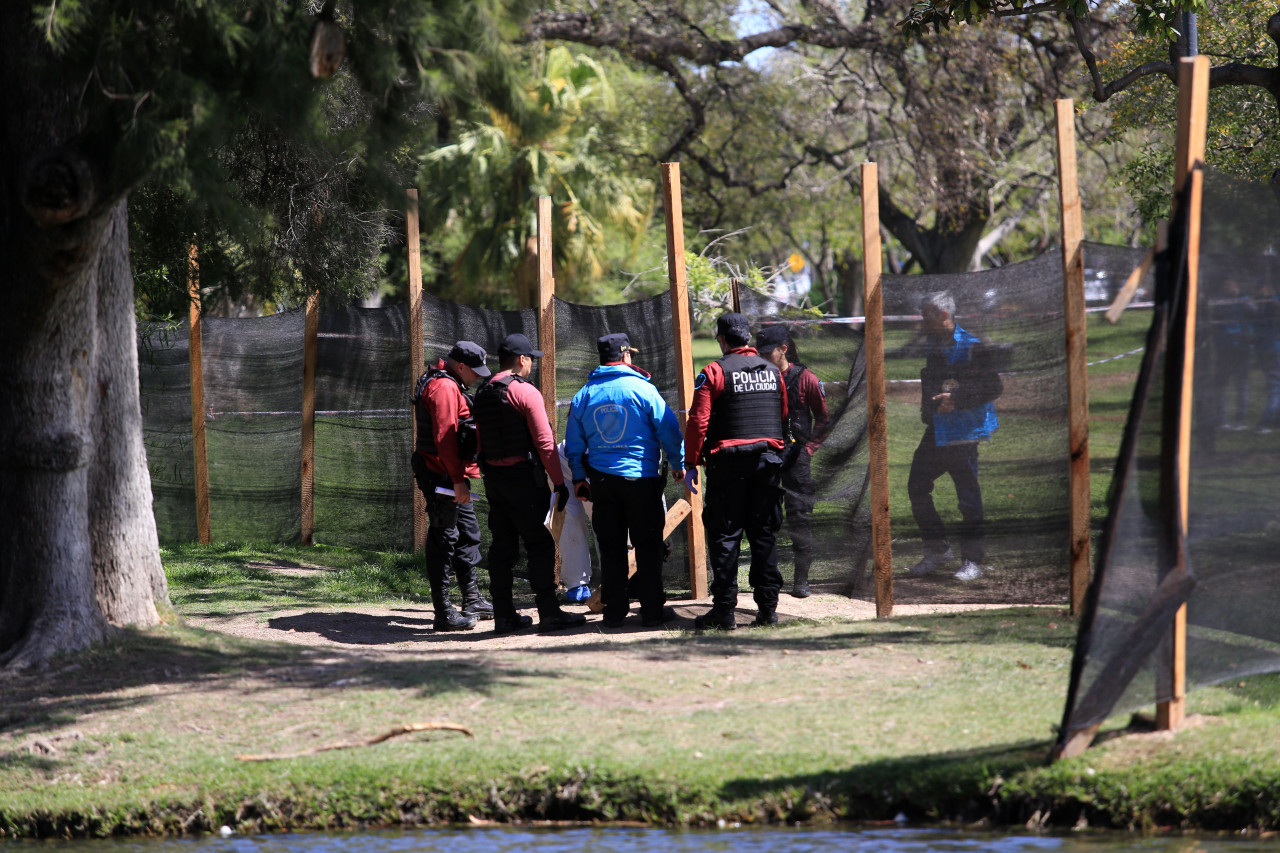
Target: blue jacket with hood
<point>619,423</point>
<point>966,367</point>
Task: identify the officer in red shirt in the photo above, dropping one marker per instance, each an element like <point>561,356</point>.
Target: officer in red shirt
<point>442,463</point>
<point>807,409</point>
<point>737,428</point>
<point>517,454</point>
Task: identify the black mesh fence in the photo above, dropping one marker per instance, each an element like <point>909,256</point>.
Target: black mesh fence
<point>363,486</point>
<point>165,392</point>
<point>840,522</point>
<point>253,427</point>
<point>362,483</point>
<point>1122,658</point>
<point>1021,496</point>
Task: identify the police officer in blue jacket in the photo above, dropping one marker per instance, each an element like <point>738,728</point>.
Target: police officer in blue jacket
<point>958,387</point>
<point>618,427</point>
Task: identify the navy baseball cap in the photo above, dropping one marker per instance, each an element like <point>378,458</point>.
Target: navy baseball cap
<point>771,337</point>
<point>472,355</point>
<point>611,347</point>
<point>733,325</point>
<point>518,344</point>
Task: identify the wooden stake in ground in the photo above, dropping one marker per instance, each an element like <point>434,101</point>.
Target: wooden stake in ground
<point>204,527</point>
<point>408,728</point>
<point>1193,113</point>
<point>547,343</point>
<point>682,333</point>
<point>309,418</point>
<point>1125,295</point>
<point>877,418</point>
<point>1077,364</point>
<point>415,352</point>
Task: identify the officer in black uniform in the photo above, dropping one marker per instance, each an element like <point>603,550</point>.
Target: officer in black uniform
<point>737,427</point>
<point>517,454</point>
<point>807,411</point>
<point>443,463</point>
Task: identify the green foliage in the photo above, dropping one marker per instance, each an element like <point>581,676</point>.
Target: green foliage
<point>1156,18</point>
<point>1243,133</point>
<point>288,183</point>
<point>484,188</point>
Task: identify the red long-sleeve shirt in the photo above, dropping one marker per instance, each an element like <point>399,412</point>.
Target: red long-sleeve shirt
<point>707,389</point>
<point>526,400</point>
<point>810,393</point>
<point>445,406</point>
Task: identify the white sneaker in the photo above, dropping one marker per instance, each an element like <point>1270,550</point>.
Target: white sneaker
<point>931,562</point>
<point>969,571</point>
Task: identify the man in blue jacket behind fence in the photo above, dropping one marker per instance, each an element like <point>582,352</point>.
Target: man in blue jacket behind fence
<point>618,426</point>
<point>958,387</point>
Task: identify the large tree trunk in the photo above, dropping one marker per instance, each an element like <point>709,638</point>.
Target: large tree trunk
<point>78,548</point>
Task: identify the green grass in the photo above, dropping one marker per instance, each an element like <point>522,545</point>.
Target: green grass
<point>944,718</point>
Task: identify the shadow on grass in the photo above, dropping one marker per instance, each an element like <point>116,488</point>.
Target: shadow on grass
<point>958,785</point>
<point>362,629</point>
<point>136,669</point>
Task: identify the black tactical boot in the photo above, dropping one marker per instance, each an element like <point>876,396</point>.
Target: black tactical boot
<point>513,622</point>
<point>449,619</point>
<point>663,616</point>
<point>765,616</point>
<point>473,603</point>
<point>552,618</point>
<point>715,619</point>
<point>446,618</point>
<point>800,584</point>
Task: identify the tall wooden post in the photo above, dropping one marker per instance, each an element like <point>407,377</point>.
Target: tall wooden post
<point>1077,364</point>
<point>546,312</point>
<point>204,528</point>
<point>1193,113</point>
<point>877,416</point>
<point>415,351</point>
<point>310,335</point>
<point>683,336</point>
<point>547,343</point>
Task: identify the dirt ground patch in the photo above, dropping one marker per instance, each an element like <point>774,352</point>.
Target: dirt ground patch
<point>408,628</point>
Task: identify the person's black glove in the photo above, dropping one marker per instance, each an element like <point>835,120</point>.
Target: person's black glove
<point>562,497</point>
<point>582,489</point>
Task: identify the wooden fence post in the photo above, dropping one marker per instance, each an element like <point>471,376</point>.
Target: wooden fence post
<point>1077,364</point>
<point>877,418</point>
<point>546,312</point>
<point>199,448</point>
<point>682,333</point>
<point>1193,113</point>
<point>310,335</point>
<point>415,352</point>
<point>547,343</point>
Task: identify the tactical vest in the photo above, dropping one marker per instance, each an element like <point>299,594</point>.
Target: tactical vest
<point>426,443</point>
<point>504,432</point>
<point>798,414</point>
<point>750,404</point>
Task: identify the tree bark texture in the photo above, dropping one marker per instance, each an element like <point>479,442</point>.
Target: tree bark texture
<point>78,546</point>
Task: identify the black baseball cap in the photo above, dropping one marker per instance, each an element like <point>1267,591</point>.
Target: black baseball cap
<point>472,355</point>
<point>611,347</point>
<point>517,344</point>
<point>771,337</point>
<point>733,325</point>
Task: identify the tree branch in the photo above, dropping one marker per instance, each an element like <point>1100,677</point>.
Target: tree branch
<point>644,45</point>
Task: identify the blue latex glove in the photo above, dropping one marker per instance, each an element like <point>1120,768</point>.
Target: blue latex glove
<point>691,480</point>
